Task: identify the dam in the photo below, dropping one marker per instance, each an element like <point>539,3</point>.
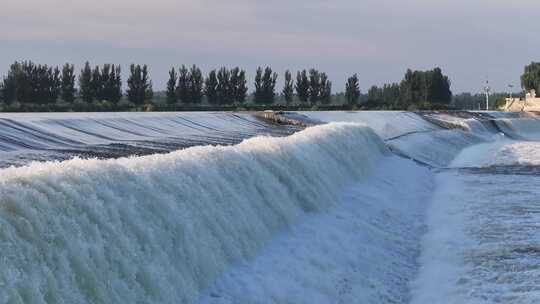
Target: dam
<point>317,207</point>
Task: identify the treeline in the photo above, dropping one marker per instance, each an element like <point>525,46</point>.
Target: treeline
<point>101,87</point>
<point>31,83</point>
<point>229,86</point>
<point>417,90</point>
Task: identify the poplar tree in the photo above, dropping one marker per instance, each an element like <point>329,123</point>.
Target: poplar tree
<point>95,84</point>
<point>9,83</point>
<point>109,84</point>
<point>234,83</point>
<point>238,85</point>
<point>139,85</point>
<point>241,87</point>
<point>211,87</point>
<point>258,83</point>
<point>302,86</point>
<point>288,88</point>
<point>54,82</point>
<point>149,92</point>
<point>115,84</point>
<point>352,90</point>
<point>183,89</point>
<point>104,83</point>
<point>85,84</point>
<point>314,86</point>
<point>224,86</point>
<point>325,86</point>
<point>172,98</point>
<point>68,83</point>
<point>27,83</point>
<point>265,84</point>
<point>196,85</point>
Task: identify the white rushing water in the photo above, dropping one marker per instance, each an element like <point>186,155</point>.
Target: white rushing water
<point>379,207</point>
<point>482,245</point>
<point>363,250</point>
<point>159,228</point>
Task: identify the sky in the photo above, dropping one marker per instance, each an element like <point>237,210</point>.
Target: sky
<point>471,40</point>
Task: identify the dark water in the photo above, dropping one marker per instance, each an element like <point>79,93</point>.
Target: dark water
<point>40,137</point>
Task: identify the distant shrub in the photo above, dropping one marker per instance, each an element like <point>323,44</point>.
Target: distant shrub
<point>79,106</point>
<point>125,105</point>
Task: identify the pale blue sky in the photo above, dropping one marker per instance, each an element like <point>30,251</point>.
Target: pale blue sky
<point>378,39</point>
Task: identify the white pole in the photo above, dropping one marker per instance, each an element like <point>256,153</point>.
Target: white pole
<point>487,95</point>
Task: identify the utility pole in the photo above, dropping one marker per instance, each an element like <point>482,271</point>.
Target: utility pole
<point>487,89</point>
<point>510,99</point>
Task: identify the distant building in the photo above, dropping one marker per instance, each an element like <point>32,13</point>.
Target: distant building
<point>529,103</point>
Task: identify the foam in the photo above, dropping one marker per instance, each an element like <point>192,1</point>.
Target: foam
<point>160,228</point>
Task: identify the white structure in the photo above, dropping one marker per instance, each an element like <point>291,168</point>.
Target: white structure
<point>529,103</point>
<point>487,89</point>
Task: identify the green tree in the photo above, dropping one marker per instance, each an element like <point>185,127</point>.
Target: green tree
<point>375,95</point>
<point>424,87</point>
<point>31,83</point>
<point>224,86</point>
<point>54,84</point>
<point>390,95</point>
<point>68,83</point>
<point>352,90</point>
<point>259,94</point>
<point>196,85</point>
<point>325,93</point>
<point>314,86</point>
<point>109,86</point>
<point>29,89</point>
<point>265,85</point>
<point>238,85</point>
<point>85,83</point>
<point>302,86</point>
<point>439,87</point>
<point>211,88</point>
<point>9,83</point>
<point>149,92</point>
<point>139,85</point>
<point>406,90</point>
<point>288,88</point>
<point>172,98</point>
<point>96,84</point>
<point>234,79</point>
<point>183,91</point>
<point>241,87</point>
<point>25,80</point>
<point>105,83</point>
<point>530,80</point>
<point>114,87</point>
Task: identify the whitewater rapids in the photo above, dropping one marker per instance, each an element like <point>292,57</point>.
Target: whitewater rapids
<point>159,228</point>
<point>378,207</point>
